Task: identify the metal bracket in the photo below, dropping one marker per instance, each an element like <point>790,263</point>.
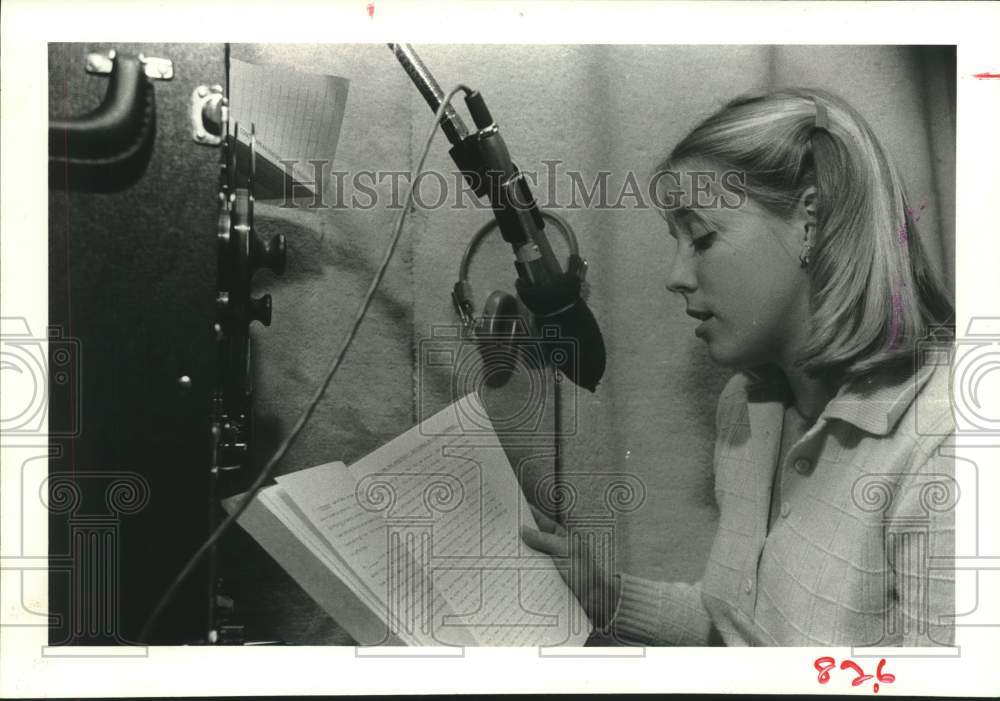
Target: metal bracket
<point>209,115</point>
<point>154,68</point>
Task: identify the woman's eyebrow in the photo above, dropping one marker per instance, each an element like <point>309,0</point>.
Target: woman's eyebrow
<point>693,216</point>
<point>683,218</point>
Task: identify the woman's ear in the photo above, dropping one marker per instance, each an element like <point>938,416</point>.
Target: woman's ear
<point>805,222</point>
<point>806,208</point>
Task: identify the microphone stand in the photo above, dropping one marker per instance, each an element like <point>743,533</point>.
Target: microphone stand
<point>553,296</point>
<point>484,160</point>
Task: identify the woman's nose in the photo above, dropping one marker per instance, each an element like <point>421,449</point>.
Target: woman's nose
<point>680,276</point>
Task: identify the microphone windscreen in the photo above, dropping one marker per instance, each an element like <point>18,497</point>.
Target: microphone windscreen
<point>567,330</point>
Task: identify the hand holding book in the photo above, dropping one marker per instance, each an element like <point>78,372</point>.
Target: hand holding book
<point>596,589</point>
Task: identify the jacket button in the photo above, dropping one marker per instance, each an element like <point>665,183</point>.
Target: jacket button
<point>803,465</point>
<point>785,508</point>
<point>747,585</point>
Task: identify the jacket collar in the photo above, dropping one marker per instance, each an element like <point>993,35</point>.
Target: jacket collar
<point>874,405</point>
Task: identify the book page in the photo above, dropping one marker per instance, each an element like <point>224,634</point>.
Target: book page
<point>345,561</point>
<point>450,478</point>
<point>331,512</point>
<point>430,525</point>
<point>280,529</point>
<point>327,504</point>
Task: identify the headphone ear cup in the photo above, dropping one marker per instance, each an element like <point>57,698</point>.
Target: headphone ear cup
<point>501,318</point>
<point>497,333</point>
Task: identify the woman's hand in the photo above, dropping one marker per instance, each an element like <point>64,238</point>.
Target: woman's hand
<point>595,588</point>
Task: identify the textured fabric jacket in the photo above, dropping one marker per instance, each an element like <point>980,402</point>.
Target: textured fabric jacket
<point>858,554</point>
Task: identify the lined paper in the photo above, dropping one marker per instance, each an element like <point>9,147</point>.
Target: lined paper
<point>456,572</point>
<point>295,115</point>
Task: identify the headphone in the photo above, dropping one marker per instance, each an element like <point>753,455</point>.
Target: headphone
<point>504,321</point>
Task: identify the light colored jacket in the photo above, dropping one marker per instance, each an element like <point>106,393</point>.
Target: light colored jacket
<point>859,553</point>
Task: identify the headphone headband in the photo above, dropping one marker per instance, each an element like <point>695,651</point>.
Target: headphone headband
<point>462,292</point>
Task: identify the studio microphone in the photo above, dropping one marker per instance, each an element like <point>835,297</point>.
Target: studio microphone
<point>571,338</point>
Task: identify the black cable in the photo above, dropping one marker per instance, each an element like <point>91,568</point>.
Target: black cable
<point>268,468</point>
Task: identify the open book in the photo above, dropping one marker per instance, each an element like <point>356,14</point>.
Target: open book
<point>418,543</point>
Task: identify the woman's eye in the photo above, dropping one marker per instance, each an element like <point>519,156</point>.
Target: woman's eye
<point>703,242</point>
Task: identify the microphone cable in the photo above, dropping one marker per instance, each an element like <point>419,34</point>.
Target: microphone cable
<point>268,468</point>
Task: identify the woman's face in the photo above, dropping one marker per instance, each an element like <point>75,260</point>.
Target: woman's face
<point>738,269</point>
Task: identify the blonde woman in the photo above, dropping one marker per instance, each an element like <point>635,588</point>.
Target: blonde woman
<point>798,255</point>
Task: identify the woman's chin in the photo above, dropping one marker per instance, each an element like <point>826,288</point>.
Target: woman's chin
<point>727,357</point>
<point>719,359</point>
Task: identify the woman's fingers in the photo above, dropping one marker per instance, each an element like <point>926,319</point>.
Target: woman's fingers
<point>548,543</point>
<point>545,522</point>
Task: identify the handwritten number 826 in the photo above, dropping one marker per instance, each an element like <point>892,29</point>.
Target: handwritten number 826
<point>823,665</point>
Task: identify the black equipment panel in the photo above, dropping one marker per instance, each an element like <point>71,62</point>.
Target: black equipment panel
<point>132,286</point>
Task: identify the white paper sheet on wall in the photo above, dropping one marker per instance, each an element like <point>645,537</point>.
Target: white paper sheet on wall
<point>296,116</point>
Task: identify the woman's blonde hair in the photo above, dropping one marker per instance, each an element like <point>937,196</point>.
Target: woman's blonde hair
<point>874,292</point>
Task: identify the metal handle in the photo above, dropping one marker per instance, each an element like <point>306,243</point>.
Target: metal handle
<point>117,128</point>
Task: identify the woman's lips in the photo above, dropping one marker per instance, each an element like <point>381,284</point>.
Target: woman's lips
<point>700,330</point>
<point>701,315</point>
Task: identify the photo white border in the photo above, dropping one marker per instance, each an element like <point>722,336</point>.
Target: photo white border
<point>26,29</point>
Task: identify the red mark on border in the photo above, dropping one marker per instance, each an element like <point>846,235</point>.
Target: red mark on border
<point>371,10</point>
<point>823,665</point>
<point>985,76</point>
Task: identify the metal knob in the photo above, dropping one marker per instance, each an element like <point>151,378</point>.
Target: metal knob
<point>269,255</point>
<point>260,310</point>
